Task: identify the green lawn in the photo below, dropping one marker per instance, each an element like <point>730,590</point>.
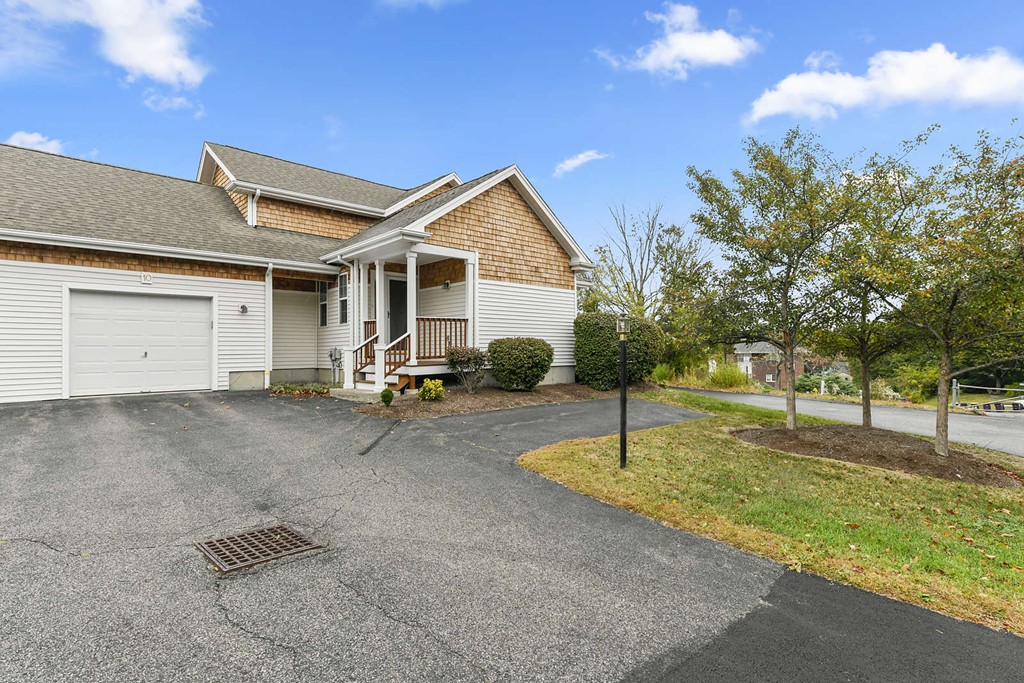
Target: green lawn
<point>952,547</point>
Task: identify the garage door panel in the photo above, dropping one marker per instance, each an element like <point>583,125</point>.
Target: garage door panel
<point>132,343</point>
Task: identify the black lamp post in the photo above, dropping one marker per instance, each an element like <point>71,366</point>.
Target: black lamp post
<point>622,327</point>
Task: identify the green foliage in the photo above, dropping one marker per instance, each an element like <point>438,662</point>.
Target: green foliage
<point>728,376</point>
<point>302,388</point>
<point>387,396</point>
<point>468,364</point>
<point>597,350</point>
<point>663,373</point>
<point>431,390</point>
<point>520,363</point>
<point>836,385</point>
<point>917,383</point>
<point>882,391</point>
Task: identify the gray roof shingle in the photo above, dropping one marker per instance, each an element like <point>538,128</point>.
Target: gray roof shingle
<point>409,216</point>
<point>267,171</point>
<point>49,193</point>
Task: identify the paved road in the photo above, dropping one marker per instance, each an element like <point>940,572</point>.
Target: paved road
<point>1000,432</point>
<point>445,560</point>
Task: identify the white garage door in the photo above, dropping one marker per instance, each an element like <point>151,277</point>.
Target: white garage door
<point>132,343</point>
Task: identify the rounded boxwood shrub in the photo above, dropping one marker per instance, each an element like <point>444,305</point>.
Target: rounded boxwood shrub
<point>520,363</point>
<point>597,350</point>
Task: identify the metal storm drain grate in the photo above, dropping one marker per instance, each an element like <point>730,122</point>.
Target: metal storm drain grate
<point>254,547</point>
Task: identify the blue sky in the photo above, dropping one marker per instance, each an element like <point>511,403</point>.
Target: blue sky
<point>623,95</point>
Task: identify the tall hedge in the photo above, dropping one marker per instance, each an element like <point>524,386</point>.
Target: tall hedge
<point>520,363</point>
<point>597,350</point>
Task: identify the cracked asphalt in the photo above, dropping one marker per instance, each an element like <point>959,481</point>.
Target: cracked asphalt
<point>445,560</point>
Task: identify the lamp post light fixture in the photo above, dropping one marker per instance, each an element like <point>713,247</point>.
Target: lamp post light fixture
<point>622,327</point>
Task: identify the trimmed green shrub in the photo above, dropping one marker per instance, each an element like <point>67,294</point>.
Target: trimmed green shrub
<point>387,396</point>
<point>468,364</point>
<point>520,363</point>
<point>597,350</point>
<point>431,390</point>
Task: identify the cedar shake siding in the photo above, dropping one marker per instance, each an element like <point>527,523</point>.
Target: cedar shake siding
<point>513,243</point>
<point>220,178</point>
<point>65,256</point>
<point>312,220</point>
<point>434,274</point>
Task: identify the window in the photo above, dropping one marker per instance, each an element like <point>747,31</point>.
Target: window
<point>343,298</point>
<point>322,290</point>
<point>769,377</point>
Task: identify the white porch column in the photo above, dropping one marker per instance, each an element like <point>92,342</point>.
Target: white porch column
<point>411,287</point>
<point>381,312</point>
<point>471,336</point>
<point>378,375</point>
<point>364,300</point>
<point>349,367</point>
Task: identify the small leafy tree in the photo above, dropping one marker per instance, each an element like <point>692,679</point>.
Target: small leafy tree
<point>468,363</point>
<point>775,227</point>
<point>955,275</point>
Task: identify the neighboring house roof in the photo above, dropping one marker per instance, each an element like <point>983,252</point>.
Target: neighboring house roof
<point>756,348</point>
<point>46,197</point>
<point>245,168</point>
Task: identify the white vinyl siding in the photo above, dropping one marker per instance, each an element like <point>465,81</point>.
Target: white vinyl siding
<point>438,302</point>
<point>513,310</point>
<point>333,334</point>
<point>32,321</point>
<point>295,330</point>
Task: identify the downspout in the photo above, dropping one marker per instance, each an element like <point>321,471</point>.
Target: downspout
<point>268,330</point>
<point>252,213</point>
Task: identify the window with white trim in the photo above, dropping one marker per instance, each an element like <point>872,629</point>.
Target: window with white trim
<point>322,292</point>
<point>769,377</point>
<point>343,298</point>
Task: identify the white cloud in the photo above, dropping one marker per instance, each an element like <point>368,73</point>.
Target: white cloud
<point>684,45</point>
<point>822,60</point>
<point>572,163</point>
<point>413,4</point>
<point>35,141</point>
<point>147,38</point>
<point>161,102</point>
<point>897,77</point>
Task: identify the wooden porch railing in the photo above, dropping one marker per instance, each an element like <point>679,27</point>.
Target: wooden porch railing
<point>434,336</point>
<point>397,354</point>
<point>364,354</point>
<point>369,329</point>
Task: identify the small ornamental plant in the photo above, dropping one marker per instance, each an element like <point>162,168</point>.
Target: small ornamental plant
<point>431,390</point>
<point>468,364</point>
<point>387,396</point>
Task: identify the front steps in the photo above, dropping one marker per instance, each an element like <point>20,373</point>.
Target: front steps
<point>366,392</point>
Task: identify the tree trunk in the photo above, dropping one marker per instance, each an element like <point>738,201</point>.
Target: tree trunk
<point>787,354</point>
<point>942,403</point>
<point>865,388</point>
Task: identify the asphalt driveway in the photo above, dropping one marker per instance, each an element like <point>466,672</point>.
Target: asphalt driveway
<point>1000,432</point>
<point>445,560</point>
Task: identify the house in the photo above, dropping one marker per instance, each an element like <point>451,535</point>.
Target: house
<point>762,362</point>
<point>117,281</point>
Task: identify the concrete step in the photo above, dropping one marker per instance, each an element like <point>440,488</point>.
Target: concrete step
<point>359,395</point>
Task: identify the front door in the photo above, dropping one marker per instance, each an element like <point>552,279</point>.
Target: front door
<point>397,320</point>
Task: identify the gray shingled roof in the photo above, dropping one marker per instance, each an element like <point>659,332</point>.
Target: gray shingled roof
<point>260,169</point>
<point>409,216</point>
<point>42,192</point>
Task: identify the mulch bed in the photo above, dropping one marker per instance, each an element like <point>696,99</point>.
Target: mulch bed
<point>885,449</point>
<point>458,401</point>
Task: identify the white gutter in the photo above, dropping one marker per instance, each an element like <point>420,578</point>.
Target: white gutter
<point>154,250</point>
<point>288,195</point>
<point>416,236</point>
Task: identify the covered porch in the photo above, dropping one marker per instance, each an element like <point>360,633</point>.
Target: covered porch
<point>408,309</point>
